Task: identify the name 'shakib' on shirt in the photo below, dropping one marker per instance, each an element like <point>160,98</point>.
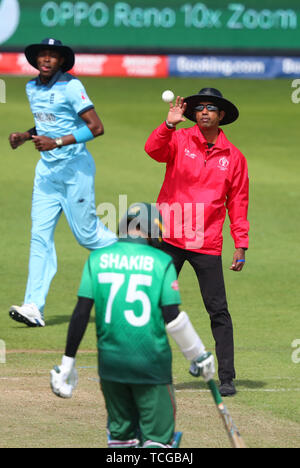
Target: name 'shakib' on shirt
<point>130,263</point>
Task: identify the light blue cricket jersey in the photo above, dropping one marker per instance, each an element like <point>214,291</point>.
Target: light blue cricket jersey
<point>56,107</point>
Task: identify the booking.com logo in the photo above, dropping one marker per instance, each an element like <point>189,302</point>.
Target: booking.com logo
<point>2,352</point>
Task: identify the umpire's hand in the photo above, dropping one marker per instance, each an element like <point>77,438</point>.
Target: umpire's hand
<point>239,260</point>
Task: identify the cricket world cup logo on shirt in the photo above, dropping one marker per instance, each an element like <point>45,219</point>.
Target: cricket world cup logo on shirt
<point>9,18</point>
<point>223,164</point>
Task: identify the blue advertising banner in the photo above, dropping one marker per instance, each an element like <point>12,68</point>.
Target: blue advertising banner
<point>233,67</point>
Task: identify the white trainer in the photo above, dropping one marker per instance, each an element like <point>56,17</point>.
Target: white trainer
<point>28,314</point>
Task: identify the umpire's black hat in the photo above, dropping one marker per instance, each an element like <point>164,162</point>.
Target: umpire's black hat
<point>215,96</point>
<point>32,51</point>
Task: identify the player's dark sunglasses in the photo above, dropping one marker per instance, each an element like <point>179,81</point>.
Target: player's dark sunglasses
<point>209,107</point>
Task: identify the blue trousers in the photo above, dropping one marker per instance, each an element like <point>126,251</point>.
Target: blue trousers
<point>63,186</point>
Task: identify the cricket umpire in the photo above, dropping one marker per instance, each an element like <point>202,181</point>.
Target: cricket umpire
<point>65,119</point>
<point>206,176</point>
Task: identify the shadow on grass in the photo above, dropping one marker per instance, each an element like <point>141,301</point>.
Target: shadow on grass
<point>201,385</point>
<point>60,319</point>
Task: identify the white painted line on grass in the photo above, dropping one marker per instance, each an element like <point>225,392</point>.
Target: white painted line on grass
<point>254,390</point>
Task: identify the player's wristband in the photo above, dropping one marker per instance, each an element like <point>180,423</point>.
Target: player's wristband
<point>83,134</point>
<point>32,131</point>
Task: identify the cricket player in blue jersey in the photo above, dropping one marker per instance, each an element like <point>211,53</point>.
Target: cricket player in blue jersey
<point>65,119</point>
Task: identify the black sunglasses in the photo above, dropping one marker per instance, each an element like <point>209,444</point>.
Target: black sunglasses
<point>209,107</point>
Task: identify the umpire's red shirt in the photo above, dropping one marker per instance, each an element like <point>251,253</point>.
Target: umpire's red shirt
<point>200,183</point>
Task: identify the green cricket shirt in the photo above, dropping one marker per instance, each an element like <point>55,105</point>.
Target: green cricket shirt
<point>129,282</point>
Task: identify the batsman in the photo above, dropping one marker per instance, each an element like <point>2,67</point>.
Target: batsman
<point>133,286</point>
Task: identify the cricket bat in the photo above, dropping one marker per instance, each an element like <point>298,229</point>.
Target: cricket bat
<point>231,429</point>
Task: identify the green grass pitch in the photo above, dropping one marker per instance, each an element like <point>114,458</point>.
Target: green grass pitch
<point>263,300</point>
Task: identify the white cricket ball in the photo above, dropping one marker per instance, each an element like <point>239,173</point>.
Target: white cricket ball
<point>167,96</point>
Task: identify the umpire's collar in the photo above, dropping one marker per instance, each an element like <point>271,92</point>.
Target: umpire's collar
<point>53,80</point>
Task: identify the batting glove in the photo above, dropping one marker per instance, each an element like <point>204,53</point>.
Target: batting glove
<point>64,378</point>
<point>204,365</point>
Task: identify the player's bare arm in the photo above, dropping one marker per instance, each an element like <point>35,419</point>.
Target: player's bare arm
<point>93,122</point>
<point>94,128</point>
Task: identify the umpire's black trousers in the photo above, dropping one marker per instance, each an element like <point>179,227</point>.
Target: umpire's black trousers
<point>209,271</point>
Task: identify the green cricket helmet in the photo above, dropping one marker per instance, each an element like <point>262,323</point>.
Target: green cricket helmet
<point>146,218</point>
